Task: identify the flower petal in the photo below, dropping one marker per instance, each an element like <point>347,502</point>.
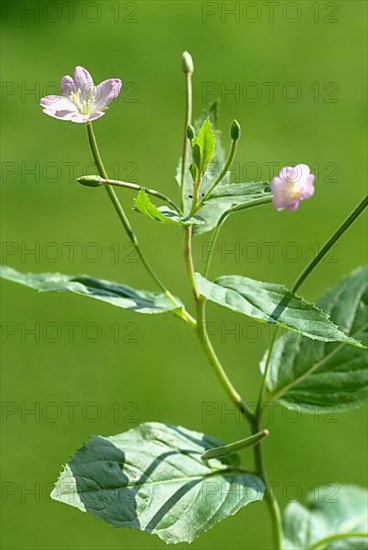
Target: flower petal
<point>57,103</point>
<point>61,115</point>
<point>82,78</point>
<point>308,187</point>
<point>106,92</point>
<point>287,172</point>
<point>83,119</point>
<point>303,171</point>
<point>67,85</point>
<point>293,205</point>
<point>58,107</point>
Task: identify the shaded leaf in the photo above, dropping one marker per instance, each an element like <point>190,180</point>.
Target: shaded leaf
<point>272,303</point>
<point>340,510</point>
<point>152,478</point>
<point>115,294</point>
<point>319,377</point>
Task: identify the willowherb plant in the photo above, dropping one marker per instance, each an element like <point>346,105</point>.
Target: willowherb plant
<point>178,483</point>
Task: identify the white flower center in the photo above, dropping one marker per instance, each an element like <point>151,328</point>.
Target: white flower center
<point>83,104</point>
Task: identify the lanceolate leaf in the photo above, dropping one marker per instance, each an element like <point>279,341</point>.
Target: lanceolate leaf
<point>226,197</point>
<point>204,146</point>
<point>272,303</point>
<point>213,169</point>
<point>115,294</point>
<point>335,519</point>
<point>152,478</point>
<point>162,213</point>
<point>318,377</point>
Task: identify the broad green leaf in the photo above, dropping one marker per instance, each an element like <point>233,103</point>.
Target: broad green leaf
<point>115,294</point>
<point>319,377</point>
<point>152,478</point>
<point>225,197</point>
<point>272,303</point>
<point>204,146</point>
<point>335,518</point>
<point>162,213</point>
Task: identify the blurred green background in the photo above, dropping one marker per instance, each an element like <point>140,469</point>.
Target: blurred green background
<point>142,368</point>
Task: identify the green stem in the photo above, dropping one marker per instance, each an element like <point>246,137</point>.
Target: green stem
<point>131,186</point>
<point>215,233</point>
<point>187,121</point>
<point>330,242</point>
<point>188,255</point>
<point>222,174</point>
<point>269,494</point>
<point>322,544</point>
<point>216,363</point>
<point>337,234</point>
<point>180,312</point>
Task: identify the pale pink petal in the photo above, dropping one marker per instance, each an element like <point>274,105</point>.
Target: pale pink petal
<point>294,205</point>
<point>57,103</point>
<point>82,78</point>
<point>83,119</point>
<point>67,85</point>
<point>287,172</point>
<point>276,182</point>
<point>58,107</point>
<point>61,115</point>
<point>308,188</point>
<point>303,170</point>
<point>106,92</point>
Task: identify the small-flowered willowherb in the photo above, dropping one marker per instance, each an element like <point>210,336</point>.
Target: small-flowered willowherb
<point>80,100</point>
<point>292,186</point>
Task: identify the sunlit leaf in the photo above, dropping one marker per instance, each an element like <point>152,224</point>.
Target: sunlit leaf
<point>272,303</point>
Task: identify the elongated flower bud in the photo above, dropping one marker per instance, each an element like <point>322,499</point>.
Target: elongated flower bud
<point>190,132</point>
<point>188,66</point>
<point>91,181</point>
<point>235,130</point>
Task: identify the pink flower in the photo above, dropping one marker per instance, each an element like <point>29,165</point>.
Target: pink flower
<point>81,101</point>
<point>292,186</point>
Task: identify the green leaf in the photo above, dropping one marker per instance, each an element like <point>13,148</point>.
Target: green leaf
<point>272,303</point>
<point>204,146</point>
<point>162,213</point>
<point>213,169</point>
<point>115,294</point>
<point>152,478</point>
<point>225,197</point>
<point>332,517</point>
<point>319,377</point>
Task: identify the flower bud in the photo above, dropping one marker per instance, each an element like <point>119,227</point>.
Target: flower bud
<point>190,132</point>
<point>187,63</point>
<point>235,130</point>
<point>91,181</point>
